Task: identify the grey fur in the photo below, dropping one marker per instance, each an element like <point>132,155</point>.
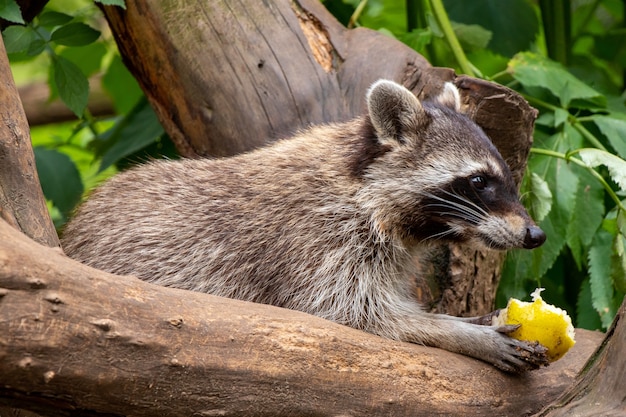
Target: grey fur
<point>326,222</point>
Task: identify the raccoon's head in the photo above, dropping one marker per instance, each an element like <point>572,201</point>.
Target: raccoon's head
<point>437,175</point>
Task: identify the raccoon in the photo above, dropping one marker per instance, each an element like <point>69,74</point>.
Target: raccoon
<point>327,222</point>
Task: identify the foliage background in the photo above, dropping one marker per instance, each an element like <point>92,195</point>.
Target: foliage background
<point>567,57</point>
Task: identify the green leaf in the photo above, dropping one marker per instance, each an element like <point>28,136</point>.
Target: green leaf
<point>618,263</point>
<point>588,210</point>
<point>10,10</point>
<point>617,167</point>
<point>417,39</point>
<point>487,61</point>
<point>614,128</point>
<point>554,226</point>
<point>75,34</point>
<point>516,274</point>
<point>18,38</point>
<point>135,131</point>
<point>120,3</point>
<point>563,184</point>
<point>514,27</point>
<point>88,58</point>
<point>51,19</point>
<point>538,196</point>
<point>600,276</point>
<point>121,86</point>
<point>472,37</point>
<point>560,116</point>
<point>534,70</point>
<point>586,316</point>
<point>71,84</point>
<point>546,119</point>
<point>434,26</point>
<point>60,179</point>
<point>587,215</point>
<point>621,222</point>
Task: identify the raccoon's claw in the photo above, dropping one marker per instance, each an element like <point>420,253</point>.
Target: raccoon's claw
<point>520,356</point>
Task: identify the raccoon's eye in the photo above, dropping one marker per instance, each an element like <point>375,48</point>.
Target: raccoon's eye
<point>479,182</point>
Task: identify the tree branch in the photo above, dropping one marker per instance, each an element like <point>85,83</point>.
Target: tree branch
<point>22,203</point>
<point>87,341</point>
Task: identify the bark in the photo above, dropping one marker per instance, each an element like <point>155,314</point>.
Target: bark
<point>22,204</point>
<point>228,76</point>
<point>77,341</point>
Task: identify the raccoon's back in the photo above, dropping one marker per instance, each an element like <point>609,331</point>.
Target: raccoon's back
<point>216,227</point>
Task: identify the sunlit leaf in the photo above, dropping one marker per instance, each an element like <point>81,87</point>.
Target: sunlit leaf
<point>538,197</point>
<point>614,128</point>
<point>617,167</point>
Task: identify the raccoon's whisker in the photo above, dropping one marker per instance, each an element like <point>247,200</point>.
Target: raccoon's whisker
<point>439,235</point>
<point>461,215</point>
<point>447,210</point>
<point>461,208</point>
<point>467,202</point>
<point>469,206</point>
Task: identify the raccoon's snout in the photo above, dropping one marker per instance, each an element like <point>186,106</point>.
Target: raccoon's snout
<point>534,237</point>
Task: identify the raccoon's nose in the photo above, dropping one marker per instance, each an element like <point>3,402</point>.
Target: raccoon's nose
<point>534,237</point>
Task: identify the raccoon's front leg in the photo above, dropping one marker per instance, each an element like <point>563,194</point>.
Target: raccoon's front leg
<point>488,343</point>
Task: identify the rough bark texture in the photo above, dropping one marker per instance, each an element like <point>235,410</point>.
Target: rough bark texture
<point>21,200</point>
<point>228,76</point>
<point>77,341</point>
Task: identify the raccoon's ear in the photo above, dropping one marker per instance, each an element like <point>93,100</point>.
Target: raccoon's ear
<point>449,97</point>
<point>393,110</point>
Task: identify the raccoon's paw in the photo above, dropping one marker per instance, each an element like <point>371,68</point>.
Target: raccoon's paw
<point>518,356</point>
